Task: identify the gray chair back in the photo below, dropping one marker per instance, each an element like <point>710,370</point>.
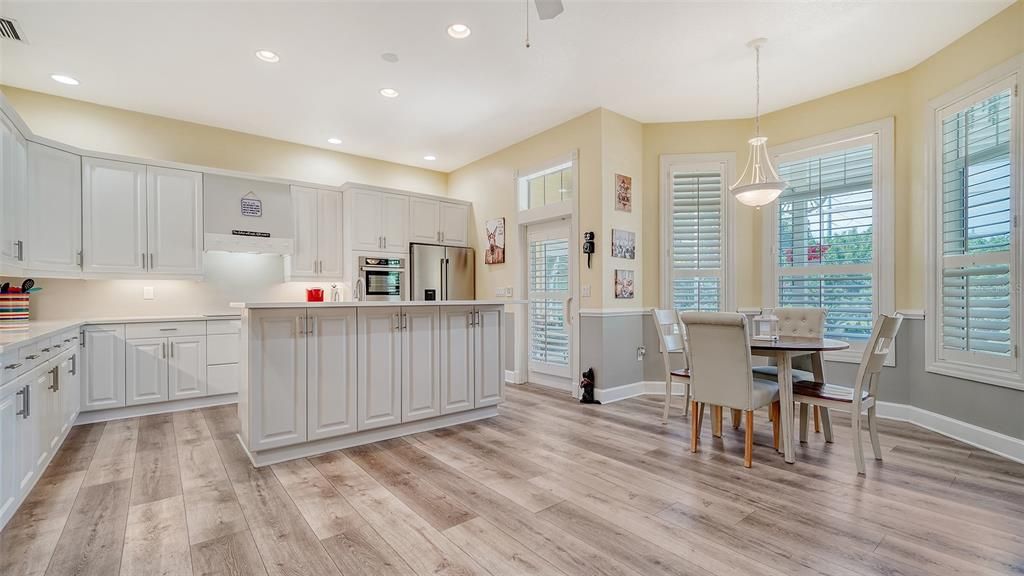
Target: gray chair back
<point>719,353</point>
<point>802,322</point>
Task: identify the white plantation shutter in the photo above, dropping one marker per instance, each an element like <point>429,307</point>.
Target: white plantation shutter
<point>696,239</point>
<point>548,290</point>
<point>976,175</point>
<point>824,246</point>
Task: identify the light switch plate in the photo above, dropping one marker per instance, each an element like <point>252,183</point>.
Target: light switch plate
<point>585,290</point>
<point>148,293</point>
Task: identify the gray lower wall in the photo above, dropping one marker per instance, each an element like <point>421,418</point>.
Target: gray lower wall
<point>608,345</point>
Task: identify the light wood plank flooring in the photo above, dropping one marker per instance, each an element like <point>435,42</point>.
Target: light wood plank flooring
<point>547,487</point>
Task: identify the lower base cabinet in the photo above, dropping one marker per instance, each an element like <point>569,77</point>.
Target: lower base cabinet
<point>379,383</point>
<point>331,372</point>
<point>103,351</point>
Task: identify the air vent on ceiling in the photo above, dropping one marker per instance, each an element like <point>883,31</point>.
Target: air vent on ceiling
<point>9,29</point>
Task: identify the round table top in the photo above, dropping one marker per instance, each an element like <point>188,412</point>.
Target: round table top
<point>799,344</point>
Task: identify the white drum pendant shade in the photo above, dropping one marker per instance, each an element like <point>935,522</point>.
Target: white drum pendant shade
<point>759,184</point>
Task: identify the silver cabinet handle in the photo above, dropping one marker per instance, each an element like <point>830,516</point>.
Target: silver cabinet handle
<point>24,401</point>
<point>14,366</point>
<point>172,349</point>
<point>56,384</point>
<point>143,260</point>
<point>163,349</point>
<point>78,258</point>
<point>58,346</point>
<point>74,364</point>
<point>21,249</point>
<point>405,321</point>
<point>311,321</point>
<point>395,322</point>
<point>168,329</point>
<point>442,236</point>
<point>31,356</point>
<point>151,260</point>
<point>47,349</point>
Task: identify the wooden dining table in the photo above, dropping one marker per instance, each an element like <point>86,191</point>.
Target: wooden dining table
<point>783,350</point>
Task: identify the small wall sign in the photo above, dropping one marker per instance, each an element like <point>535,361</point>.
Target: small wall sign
<point>252,206</point>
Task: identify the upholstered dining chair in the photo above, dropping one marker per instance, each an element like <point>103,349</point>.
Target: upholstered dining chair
<point>721,375</point>
<point>803,323</point>
<point>864,394</point>
<point>673,341</point>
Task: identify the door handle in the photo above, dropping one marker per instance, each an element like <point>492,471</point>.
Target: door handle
<point>567,312</point>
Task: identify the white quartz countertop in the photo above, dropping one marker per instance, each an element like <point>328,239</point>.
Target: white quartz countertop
<point>370,304</point>
<point>39,329</point>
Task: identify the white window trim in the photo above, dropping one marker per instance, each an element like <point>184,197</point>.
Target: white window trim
<point>1013,377</point>
<point>547,211</point>
<point>882,218</point>
<point>726,163</point>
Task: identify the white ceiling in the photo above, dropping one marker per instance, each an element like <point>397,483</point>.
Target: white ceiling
<point>462,99</point>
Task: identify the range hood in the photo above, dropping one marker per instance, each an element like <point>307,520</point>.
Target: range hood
<point>247,215</point>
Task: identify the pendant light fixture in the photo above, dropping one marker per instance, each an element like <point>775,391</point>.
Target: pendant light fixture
<point>759,185</point>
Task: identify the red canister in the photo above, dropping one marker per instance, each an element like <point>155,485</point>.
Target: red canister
<point>314,294</point>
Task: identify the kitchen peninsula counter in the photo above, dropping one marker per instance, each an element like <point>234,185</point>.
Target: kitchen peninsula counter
<point>320,376</point>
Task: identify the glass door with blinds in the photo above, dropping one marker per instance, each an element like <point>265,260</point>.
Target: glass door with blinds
<point>696,203</point>
<point>824,245</point>
<point>548,293</point>
<point>976,141</point>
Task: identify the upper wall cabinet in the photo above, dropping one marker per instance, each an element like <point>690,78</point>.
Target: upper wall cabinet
<point>14,198</point>
<point>438,222</point>
<point>319,240</point>
<point>54,246</point>
<point>140,220</point>
<point>379,221</point>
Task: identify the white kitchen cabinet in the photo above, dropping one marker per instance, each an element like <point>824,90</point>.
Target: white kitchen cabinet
<point>277,378</point>
<point>457,352</point>
<point>424,220</point>
<point>54,243</point>
<point>14,197</point>
<point>103,366</point>
<point>25,432</point>
<point>113,217</point>
<point>71,388</point>
<point>454,224</point>
<point>10,404</point>
<point>319,238</point>
<point>421,384</point>
<point>379,221</point>
<point>222,354</point>
<point>488,358</point>
<point>174,206</point>
<point>52,407</point>
<point>331,372</point>
<point>145,370</point>
<point>379,388</point>
<point>395,222</point>
<point>186,367</point>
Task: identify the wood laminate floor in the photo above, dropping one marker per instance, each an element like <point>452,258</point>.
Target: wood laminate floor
<point>547,487</point>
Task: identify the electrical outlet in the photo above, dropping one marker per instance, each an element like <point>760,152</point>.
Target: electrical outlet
<point>585,290</point>
<point>148,293</point>
<point>508,291</point>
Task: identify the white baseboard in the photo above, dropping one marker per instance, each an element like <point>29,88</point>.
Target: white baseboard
<point>983,438</point>
<point>155,408</point>
<point>512,377</point>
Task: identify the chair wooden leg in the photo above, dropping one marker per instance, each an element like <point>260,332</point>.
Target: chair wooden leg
<point>817,420</point>
<point>716,421</point>
<point>737,415</point>
<point>873,432</point>
<point>774,410</point>
<point>858,444</point>
<point>748,440</point>
<point>668,399</point>
<point>694,426</point>
<point>803,423</point>
<point>826,423</point>
<point>686,398</point>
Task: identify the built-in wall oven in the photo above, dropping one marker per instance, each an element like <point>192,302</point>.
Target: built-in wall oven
<point>383,279</point>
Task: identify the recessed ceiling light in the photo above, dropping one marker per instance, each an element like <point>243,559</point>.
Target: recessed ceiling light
<point>459,31</point>
<point>334,140</point>
<point>64,79</point>
<point>430,157</point>
<point>268,56</point>
<point>389,92</point>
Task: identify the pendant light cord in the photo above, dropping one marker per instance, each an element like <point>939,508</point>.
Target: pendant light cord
<point>757,91</point>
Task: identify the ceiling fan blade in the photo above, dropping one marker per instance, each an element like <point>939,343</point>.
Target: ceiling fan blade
<point>548,9</point>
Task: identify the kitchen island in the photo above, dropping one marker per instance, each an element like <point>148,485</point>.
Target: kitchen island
<point>320,376</point>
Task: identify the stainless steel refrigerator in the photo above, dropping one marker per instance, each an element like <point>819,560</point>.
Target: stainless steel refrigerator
<point>441,273</point>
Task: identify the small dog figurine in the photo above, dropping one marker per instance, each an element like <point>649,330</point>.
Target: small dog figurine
<point>588,388</point>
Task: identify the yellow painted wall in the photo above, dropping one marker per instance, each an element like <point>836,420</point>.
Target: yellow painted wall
<point>622,153</point>
<point>116,131</point>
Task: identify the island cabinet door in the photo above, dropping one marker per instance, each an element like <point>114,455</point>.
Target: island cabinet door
<point>490,369</point>
<point>104,367</point>
<point>379,388</point>
<point>331,376</point>
<point>277,377</point>
<point>457,353</point>
<point>421,375</point>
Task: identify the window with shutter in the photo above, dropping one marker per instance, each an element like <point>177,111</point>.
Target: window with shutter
<point>548,291</point>
<point>825,243</point>
<point>975,192</point>
<point>696,234</point>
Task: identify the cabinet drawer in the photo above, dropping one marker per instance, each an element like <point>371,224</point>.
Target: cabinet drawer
<point>221,379</point>
<point>222,348</point>
<point>163,329</point>
<point>11,365</point>
<point>223,326</point>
